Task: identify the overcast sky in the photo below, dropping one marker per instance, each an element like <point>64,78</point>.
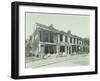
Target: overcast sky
<point>78,24</point>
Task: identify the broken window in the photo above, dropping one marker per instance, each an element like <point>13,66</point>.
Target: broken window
<point>51,37</point>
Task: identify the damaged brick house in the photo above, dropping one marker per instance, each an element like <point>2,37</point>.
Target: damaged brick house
<point>48,40</point>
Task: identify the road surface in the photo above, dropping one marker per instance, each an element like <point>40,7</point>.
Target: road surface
<point>76,60</point>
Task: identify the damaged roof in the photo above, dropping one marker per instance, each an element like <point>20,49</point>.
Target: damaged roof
<point>51,28</point>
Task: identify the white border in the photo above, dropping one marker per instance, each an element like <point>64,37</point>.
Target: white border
<point>23,71</point>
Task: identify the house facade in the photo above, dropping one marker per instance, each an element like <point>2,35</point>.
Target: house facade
<point>48,40</point>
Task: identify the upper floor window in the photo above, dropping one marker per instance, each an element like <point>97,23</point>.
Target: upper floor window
<point>66,38</point>
<point>61,37</point>
<point>41,36</point>
<point>70,39</point>
<point>74,40</point>
<point>77,41</point>
<point>80,41</point>
<point>44,36</point>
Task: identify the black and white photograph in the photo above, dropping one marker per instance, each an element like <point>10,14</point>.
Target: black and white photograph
<point>56,40</point>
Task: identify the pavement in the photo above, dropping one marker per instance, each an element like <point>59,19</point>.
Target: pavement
<point>76,60</point>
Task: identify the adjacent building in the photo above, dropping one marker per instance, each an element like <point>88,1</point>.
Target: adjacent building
<point>48,40</point>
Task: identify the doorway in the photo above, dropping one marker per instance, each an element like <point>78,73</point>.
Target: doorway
<point>50,49</point>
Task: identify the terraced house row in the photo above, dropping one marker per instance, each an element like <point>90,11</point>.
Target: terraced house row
<point>48,40</point>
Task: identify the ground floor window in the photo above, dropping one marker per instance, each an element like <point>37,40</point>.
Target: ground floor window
<point>74,48</point>
<point>50,49</point>
<point>62,48</point>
